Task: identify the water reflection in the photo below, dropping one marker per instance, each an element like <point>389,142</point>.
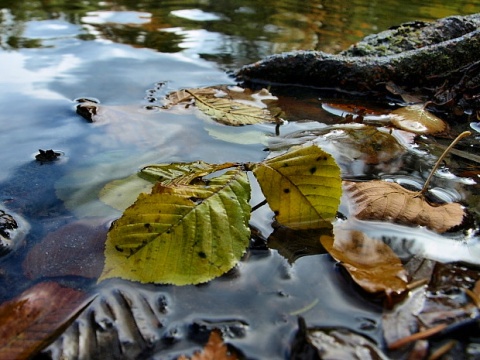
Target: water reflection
<point>230,32</point>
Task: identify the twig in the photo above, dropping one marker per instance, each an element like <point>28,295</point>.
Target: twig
<point>417,336</point>
<point>440,159</point>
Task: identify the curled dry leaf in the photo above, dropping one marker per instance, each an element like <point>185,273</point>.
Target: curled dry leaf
<point>382,200</point>
<point>370,262</point>
<point>416,119</point>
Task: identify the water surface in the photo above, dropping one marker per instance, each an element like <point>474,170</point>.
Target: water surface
<point>128,55</point>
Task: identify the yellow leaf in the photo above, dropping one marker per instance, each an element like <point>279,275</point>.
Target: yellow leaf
<point>183,234</point>
<point>382,200</point>
<point>302,187</point>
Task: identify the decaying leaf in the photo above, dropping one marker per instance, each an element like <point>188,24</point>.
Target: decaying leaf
<point>382,200</point>
<point>226,105</point>
<point>231,112</point>
<point>416,119</point>
<point>181,235</point>
<point>332,344</point>
<point>302,186</point>
<point>184,96</point>
<point>371,263</point>
<point>182,173</point>
<point>125,321</point>
<point>34,318</point>
<point>215,349</point>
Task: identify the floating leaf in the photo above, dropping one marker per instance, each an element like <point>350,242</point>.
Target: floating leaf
<point>371,263</point>
<point>231,112</point>
<point>382,200</point>
<point>184,95</point>
<point>416,119</point>
<point>215,349</point>
<point>34,318</point>
<point>302,187</point>
<point>182,173</point>
<point>181,235</point>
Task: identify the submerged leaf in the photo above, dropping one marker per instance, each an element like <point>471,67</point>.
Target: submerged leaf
<point>215,349</point>
<point>371,263</point>
<point>302,187</point>
<point>332,344</point>
<point>124,321</point>
<point>122,193</point>
<point>416,119</point>
<point>34,318</point>
<point>181,235</point>
<point>382,200</point>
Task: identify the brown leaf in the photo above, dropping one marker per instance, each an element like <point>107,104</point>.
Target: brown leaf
<point>371,263</point>
<point>33,319</point>
<point>416,119</point>
<point>215,349</point>
<point>382,200</point>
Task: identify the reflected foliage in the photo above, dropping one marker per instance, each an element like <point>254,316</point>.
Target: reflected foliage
<point>243,31</point>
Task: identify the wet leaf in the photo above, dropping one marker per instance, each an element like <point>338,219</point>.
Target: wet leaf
<point>382,200</point>
<point>228,105</point>
<point>302,187</point>
<point>416,119</point>
<point>231,112</point>
<point>181,235</point>
<point>371,263</point>
<point>33,319</point>
<point>75,249</point>
<point>333,344</point>
<point>185,96</point>
<point>125,321</point>
<point>401,321</point>
<point>182,173</point>
<point>215,349</point>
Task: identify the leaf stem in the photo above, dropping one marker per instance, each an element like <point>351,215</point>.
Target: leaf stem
<point>440,159</point>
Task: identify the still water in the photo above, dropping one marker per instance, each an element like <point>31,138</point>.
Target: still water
<point>128,55</point>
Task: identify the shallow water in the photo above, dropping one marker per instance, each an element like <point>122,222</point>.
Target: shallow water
<point>128,56</point>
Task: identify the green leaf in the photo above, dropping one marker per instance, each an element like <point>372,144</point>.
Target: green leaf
<point>181,235</point>
<point>231,112</point>
<point>302,187</point>
<point>182,173</point>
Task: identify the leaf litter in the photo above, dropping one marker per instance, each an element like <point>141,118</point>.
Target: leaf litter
<point>356,245</point>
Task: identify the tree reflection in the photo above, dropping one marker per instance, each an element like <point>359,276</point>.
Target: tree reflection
<point>235,32</point>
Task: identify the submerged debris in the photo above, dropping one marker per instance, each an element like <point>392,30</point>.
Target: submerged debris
<point>47,155</point>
